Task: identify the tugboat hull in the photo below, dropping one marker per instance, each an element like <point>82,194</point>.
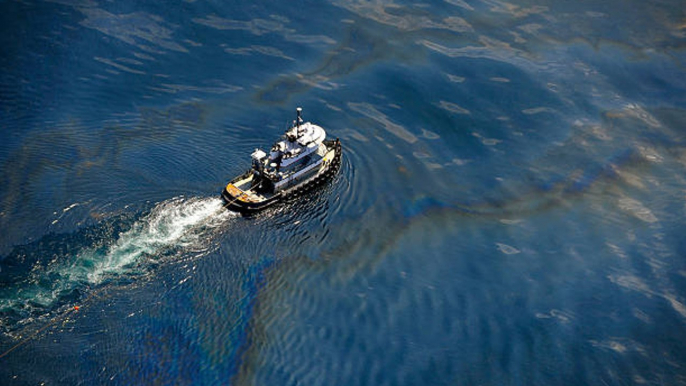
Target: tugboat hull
<point>240,194</point>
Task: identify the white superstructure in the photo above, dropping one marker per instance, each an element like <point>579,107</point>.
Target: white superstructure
<point>300,151</point>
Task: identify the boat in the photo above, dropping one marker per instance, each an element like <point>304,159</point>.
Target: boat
<point>302,159</point>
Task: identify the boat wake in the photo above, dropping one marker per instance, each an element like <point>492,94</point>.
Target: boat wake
<point>36,281</point>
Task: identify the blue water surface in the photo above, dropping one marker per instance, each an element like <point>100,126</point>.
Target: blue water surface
<point>509,209</point>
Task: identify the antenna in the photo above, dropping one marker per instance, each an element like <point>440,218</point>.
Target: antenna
<point>299,119</point>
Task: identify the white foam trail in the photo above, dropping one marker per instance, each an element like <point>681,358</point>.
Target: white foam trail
<point>172,223</point>
<point>178,222</point>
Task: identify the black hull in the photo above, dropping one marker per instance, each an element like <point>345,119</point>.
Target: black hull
<point>234,203</point>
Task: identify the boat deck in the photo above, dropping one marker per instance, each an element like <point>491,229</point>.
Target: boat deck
<point>241,190</point>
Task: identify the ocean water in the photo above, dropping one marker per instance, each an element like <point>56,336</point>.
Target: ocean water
<point>509,210</point>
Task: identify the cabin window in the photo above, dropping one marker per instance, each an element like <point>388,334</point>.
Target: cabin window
<point>301,162</point>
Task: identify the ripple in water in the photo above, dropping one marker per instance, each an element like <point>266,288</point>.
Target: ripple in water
<point>35,283</point>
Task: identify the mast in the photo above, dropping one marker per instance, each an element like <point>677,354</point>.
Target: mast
<point>299,118</point>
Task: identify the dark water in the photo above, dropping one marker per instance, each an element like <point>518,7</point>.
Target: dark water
<point>510,208</point>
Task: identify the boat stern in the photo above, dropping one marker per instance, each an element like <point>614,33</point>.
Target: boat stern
<point>243,201</point>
